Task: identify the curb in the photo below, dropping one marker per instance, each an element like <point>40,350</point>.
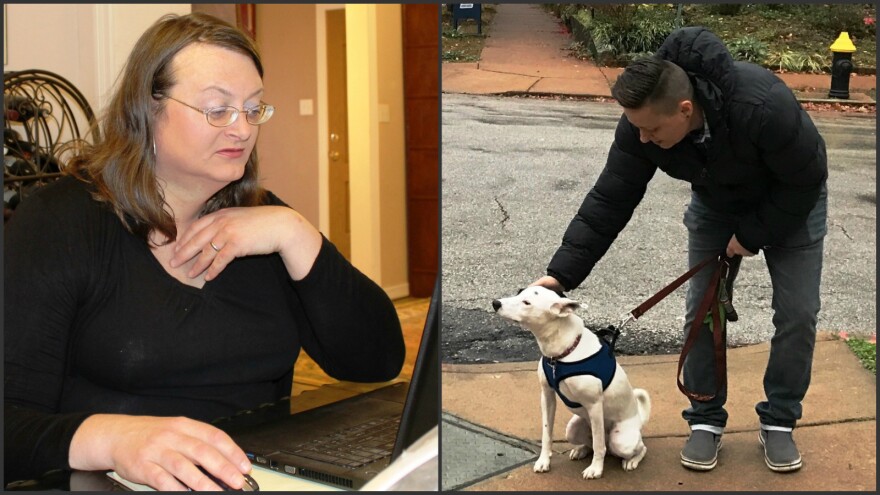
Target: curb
<point>581,97</point>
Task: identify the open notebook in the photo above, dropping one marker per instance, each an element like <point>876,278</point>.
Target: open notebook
<point>345,444</point>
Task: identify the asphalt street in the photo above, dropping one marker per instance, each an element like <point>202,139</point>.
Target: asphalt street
<point>514,172</point>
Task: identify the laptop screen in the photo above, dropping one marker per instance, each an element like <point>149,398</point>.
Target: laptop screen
<point>421,412</point>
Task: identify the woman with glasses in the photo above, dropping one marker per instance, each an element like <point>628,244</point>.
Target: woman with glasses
<point>158,287</point>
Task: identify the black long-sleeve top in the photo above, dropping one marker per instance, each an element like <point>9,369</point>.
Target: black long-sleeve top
<point>94,324</point>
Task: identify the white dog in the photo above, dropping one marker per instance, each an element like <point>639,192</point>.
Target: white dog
<point>604,404</point>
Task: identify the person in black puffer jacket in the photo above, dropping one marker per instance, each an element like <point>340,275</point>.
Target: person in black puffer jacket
<point>758,170</point>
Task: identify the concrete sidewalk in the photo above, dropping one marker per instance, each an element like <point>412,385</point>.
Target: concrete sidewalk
<point>527,52</point>
<point>837,436</point>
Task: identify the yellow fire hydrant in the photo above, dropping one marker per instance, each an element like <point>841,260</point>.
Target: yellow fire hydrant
<point>841,66</point>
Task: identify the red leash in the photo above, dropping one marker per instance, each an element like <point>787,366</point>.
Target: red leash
<point>712,301</point>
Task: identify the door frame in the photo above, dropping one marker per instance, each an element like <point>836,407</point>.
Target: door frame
<point>372,234</point>
<point>321,112</point>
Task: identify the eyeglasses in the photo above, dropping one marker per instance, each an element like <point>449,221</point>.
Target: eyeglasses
<point>226,116</point>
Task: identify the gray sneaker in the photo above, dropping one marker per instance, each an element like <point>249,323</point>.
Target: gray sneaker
<point>700,452</point>
<point>780,452</point>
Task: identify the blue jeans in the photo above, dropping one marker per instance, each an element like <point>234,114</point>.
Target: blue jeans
<point>795,268</point>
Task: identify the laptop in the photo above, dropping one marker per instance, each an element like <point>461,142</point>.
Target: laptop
<point>347,443</point>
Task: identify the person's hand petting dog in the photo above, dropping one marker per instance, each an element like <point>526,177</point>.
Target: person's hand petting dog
<point>548,282</point>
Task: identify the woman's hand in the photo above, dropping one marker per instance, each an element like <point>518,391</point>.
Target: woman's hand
<point>160,452</point>
<point>218,238</point>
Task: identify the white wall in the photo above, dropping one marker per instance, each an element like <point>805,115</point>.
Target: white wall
<point>86,44</point>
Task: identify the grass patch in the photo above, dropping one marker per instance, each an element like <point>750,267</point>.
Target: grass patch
<point>464,44</point>
<point>866,352</point>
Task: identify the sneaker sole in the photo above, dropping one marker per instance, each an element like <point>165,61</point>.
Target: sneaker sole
<point>701,466</point>
<point>779,468</point>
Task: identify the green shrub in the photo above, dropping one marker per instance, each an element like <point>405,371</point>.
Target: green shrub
<point>584,17</point>
<point>817,63</point>
<point>726,8</point>
<point>618,15</point>
<point>624,32</point>
<point>569,10</point>
<point>779,7</point>
<point>789,61</point>
<point>786,61</point>
<point>457,56</point>
<point>452,33</point>
<point>564,11</point>
<point>832,19</point>
<point>749,49</point>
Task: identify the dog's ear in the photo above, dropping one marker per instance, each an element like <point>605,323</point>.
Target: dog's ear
<point>565,307</point>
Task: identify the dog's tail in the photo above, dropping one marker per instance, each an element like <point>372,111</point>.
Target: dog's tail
<point>644,402</point>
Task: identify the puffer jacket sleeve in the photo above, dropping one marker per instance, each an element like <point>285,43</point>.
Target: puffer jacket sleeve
<point>606,209</point>
<point>793,150</point>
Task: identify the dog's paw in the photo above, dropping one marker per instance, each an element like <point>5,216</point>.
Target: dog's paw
<point>593,472</point>
<point>630,464</point>
<point>543,465</point>
<point>578,452</point>
<point>633,462</point>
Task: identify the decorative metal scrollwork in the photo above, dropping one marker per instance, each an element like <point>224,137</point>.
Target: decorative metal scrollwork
<point>47,120</point>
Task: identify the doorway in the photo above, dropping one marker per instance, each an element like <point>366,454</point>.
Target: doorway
<point>337,133</point>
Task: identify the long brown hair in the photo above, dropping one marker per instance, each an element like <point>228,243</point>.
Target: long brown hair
<point>122,165</point>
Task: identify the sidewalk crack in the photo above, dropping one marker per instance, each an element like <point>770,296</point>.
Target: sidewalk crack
<point>842,229</point>
<point>506,216</point>
<point>529,89</point>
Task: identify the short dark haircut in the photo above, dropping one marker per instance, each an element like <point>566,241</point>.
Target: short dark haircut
<point>652,81</point>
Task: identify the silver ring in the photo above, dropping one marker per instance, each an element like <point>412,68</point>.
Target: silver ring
<point>214,247</point>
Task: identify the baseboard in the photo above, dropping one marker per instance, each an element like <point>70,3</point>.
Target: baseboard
<point>397,291</point>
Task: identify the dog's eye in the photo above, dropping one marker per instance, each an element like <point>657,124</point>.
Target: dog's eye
<point>527,303</point>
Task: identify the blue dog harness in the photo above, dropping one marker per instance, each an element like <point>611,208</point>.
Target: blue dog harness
<point>602,365</point>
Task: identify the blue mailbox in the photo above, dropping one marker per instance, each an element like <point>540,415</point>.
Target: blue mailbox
<point>461,11</point>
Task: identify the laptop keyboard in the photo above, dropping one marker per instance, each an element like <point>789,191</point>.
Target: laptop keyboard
<point>353,447</point>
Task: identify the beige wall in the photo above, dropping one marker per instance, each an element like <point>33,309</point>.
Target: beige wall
<point>392,145</point>
<point>59,48</point>
<point>288,143</point>
<point>376,146</point>
<point>84,43</point>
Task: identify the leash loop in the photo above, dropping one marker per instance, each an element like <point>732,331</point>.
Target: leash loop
<point>717,294</point>
<point>712,297</point>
